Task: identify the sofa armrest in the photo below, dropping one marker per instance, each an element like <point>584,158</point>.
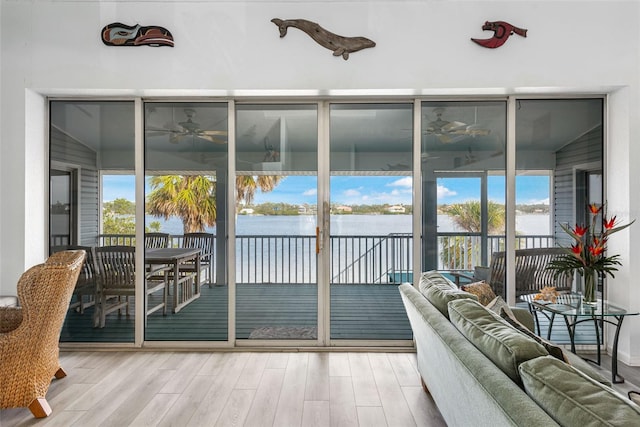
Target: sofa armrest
<point>524,316</point>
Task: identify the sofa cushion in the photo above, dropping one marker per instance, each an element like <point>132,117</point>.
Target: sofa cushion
<point>572,398</point>
<point>440,298</point>
<point>558,352</point>
<point>551,348</point>
<point>433,277</point>
<point>496,339</point>
<point>482,290</point>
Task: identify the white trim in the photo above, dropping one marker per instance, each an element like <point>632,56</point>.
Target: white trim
<point>231,224</point>
<point>140,308</point>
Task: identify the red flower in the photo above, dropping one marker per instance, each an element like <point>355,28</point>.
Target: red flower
<point>580,231</point>
<point>594,208</point>
<point>609,224</point>
<point>576,249</point>
<point>596,250</point>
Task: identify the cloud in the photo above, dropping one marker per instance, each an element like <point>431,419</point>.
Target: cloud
<point>402,182</point>
<point>310,192</point>
<point>536,202</point>
<point>445,192</point>
<point>352,192</point>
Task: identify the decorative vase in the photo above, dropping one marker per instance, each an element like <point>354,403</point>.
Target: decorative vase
<point>589,290</point>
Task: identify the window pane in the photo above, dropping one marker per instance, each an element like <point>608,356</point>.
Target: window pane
<point>95,140</point>
<point>186,220</point>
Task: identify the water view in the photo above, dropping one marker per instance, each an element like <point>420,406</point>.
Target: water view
<point>344,225</point>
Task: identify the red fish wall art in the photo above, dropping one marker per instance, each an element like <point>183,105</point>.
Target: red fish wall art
<point>501,32</point>
<point>118,34</point>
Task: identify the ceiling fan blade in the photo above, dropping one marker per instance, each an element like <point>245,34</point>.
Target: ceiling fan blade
<point>211,138</point>
<point>213,132</point>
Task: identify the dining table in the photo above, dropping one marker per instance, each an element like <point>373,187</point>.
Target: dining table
<point>184,282</point>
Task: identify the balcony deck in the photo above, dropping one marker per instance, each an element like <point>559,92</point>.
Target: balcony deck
<point>359,312</point>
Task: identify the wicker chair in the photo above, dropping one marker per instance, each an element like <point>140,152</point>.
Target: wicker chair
<point>29,334</point>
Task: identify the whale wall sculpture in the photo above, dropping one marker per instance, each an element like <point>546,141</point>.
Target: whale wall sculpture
<point>340,45</point>
<point>501,32</point>
<point>118,34</point>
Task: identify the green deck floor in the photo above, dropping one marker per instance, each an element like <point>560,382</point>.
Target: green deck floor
<point>359,312</point>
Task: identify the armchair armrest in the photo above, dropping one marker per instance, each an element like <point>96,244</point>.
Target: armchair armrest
<point>10,318</point>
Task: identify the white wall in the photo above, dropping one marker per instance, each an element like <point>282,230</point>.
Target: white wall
<point>232,49</point>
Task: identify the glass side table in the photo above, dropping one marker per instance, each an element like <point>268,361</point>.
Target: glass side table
<point>574,312</point>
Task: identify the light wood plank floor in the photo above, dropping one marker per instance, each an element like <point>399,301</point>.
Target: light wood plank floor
<point>147,388</point>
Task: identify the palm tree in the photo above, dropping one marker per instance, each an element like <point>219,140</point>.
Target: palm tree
<point>468,216</point>
<point>192,197</point>
<point>247,185</point>
<point>189,197</point>
<point>458,251</point>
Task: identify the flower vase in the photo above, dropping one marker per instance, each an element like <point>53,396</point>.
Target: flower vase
<point>589,291</point>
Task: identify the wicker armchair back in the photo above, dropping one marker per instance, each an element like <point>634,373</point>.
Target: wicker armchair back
<point>30,333</point>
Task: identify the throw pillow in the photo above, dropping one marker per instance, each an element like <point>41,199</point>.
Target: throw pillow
<point>482,290</point>
<point>496,339</point>
<point>498,304</point>
<point>571,398</point>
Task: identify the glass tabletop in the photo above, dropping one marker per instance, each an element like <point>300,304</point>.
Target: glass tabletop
<point>571,305</point>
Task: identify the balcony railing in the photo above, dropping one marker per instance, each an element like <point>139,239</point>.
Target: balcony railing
<point>354,259</point>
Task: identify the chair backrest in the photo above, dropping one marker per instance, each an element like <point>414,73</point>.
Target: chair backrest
<point>89,270</point>
<point>156,240</point>
<point>116,267</point>
<point>202,241</point>
<point>531,271</point>
<point>44,292</point>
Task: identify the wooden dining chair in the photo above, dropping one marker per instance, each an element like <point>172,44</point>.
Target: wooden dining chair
<point>156,240</point>
<point>85,290</point>
<point>116,283</point>
<point>205,242</point>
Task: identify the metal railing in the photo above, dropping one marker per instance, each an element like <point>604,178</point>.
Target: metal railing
<point>463,251</point>
<point>354,259</point>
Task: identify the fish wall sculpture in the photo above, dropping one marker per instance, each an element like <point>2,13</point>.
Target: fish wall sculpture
<point>118,34</point>
<point>341,46</point>
<point>501,32</point>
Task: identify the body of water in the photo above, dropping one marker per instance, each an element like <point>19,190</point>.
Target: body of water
<point>345,225</point>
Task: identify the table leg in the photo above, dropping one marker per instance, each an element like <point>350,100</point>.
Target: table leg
<point>553,317</point>
<point>595,324</point>
<point>615,378</point>
<point>571,329</point>
<point>176,278</point>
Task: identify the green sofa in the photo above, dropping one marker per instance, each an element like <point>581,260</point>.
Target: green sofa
<point>482,371</point>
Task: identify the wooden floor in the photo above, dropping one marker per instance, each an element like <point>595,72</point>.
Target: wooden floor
<point>235,389</point>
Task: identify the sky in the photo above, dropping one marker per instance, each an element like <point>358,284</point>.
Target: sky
<point>370,190</point>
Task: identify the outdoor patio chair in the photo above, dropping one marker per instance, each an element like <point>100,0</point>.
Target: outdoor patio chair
<point>116,283</point>
<point>29,334</point>
<point>204,242</point>
<point>531,272</point>
<point>156,240</point>
<point>85,289</point>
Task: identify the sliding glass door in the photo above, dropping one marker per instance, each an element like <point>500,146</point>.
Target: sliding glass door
<point>276,204</point>
<point>371,240</point>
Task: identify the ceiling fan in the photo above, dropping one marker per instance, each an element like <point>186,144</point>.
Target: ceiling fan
<point>189,128</point>
<point>453,131</point>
